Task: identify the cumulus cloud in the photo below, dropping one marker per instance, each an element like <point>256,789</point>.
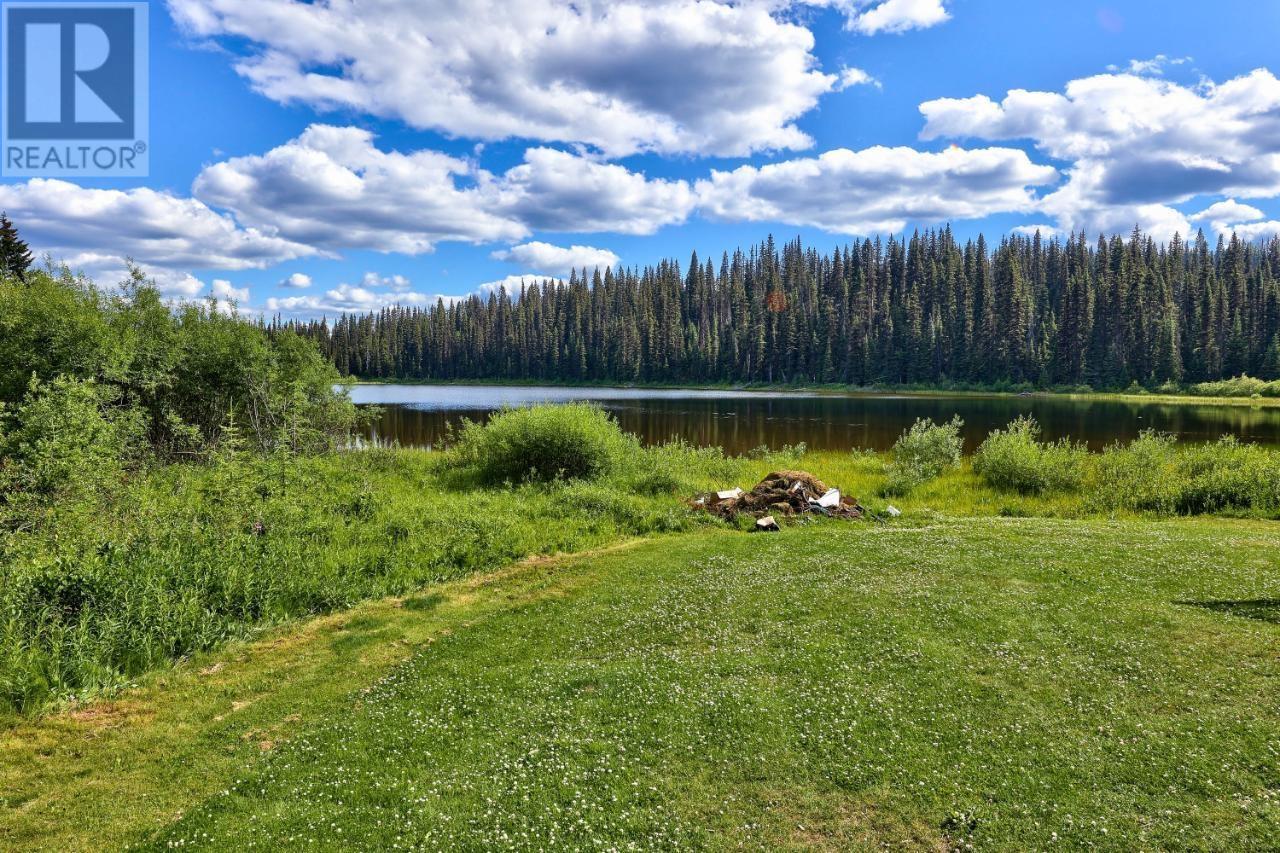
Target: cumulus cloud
<point>1228,211</point>
<point>514,285</point>
<point>358,299</point>
<point>700,76</point>
<point>96,230</point>
<point>394,282</point>
<point>1255,230</point>
<point>1045,231</point>
<point>222,289</point>
<point>897,16</point>
<point>557,260</point>
<point>332,188</point>
<point>557,191</point>
<point>1138,145</point>
<point>1232,217</point>
<point>349,298</point>
<point>877,189</point>
<point>227,298</point>
<point>297,281</point>
<point>850,77</point>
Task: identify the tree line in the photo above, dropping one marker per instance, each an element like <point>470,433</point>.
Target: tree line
<point>925,310</point>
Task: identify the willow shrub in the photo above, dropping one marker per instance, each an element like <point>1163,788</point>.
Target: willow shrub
<point>1228,475</point>
<point>1142,475</point>
<point>545,443</point>
<point>924,452</point>
<point>1014,459</point>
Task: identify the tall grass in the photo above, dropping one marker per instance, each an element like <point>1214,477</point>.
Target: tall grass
<point>182,558</point>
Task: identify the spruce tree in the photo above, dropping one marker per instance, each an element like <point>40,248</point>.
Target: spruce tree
<point>15,255</point>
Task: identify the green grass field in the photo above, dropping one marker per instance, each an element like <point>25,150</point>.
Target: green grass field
<point>936,683</point>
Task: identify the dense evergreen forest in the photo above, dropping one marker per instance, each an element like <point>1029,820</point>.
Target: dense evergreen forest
<point>927,310</point>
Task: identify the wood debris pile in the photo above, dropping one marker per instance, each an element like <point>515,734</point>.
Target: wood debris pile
<point>783,494</point>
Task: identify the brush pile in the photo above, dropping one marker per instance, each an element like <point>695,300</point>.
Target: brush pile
<point>783,494</point>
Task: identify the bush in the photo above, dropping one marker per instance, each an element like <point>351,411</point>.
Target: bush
<point>1142,475</point>
<point>1228,475</point>
<point>1014,459</point>
<point>57,444</point>
<point>545,443</point>
<point>923,453</point>
<point>1152,475</point>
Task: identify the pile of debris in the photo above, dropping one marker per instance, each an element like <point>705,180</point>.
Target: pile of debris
<point>782,494</point>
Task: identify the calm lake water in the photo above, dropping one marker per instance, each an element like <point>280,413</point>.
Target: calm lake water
<point>739,421</point>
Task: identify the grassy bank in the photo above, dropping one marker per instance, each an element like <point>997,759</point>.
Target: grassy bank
<point>1008,684</point>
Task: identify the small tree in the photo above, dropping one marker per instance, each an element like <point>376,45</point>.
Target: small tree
<point>15,255</point>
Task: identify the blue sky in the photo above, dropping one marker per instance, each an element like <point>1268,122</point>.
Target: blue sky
<point>376,151</point>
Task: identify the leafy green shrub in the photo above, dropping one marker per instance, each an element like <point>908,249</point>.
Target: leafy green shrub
<point>545,443</point>
<point>1228,475</point>
<point>924,453</point>
<point>1142,475</point>
<point>57,444</point>
<point>1014,459</point>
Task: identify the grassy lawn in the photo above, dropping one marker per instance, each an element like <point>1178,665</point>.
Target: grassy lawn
<point>1001,683</point>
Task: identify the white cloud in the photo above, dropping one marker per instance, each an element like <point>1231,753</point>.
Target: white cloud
<point>349,298</point>
<point>1255,230</point>
<point>356,299</point>
<point>1156,65</point>
<point>876,190</point>
<point>514,284</point>
<point>96,230</point>
<point>1138,146</point>
<point>557,191</point>
<point>222,289</point>
<point>226,298</point>
<point>850,77</point>
<point>701,76</point>
<point>394,282</point>
<point>333,188</point>
<point>557,260</point>
<point>1045,231</point>
<point>895,16</point>
<point>1228,211</point>
<point>297,281</point>
<point>1232,217</point>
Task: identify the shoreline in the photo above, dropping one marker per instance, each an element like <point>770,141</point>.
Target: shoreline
<point>847,391</point>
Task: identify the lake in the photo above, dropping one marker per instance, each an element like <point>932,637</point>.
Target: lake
<point>739,421</point>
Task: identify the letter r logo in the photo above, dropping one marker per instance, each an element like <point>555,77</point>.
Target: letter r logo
<point>71,70</point>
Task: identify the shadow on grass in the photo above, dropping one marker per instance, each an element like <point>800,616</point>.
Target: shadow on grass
<point>1262,609</point>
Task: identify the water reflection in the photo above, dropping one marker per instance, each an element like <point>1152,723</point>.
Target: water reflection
<point>417,416</point>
